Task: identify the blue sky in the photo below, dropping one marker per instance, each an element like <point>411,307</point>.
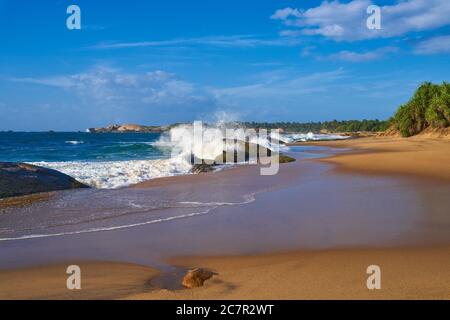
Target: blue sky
<point>158,62</point>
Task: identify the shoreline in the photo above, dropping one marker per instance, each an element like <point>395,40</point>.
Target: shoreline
<point>414,271</point>
<point>418,156</point>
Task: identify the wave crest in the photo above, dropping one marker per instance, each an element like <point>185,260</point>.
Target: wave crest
<point>115,174</point>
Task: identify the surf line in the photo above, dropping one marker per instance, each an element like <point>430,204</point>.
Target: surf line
<point>248,199</point>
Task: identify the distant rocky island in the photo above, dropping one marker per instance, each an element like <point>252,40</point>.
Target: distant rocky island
<point>124,128</point>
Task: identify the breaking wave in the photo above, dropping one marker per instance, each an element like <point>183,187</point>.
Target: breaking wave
<point>170,155</point>
<point>115,174</point>
<point>312,137</point>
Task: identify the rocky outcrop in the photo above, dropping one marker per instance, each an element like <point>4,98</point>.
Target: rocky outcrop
<point>196,277</point>
<point>17,179</point>
<point>253,152</point>
<point>128,128</point>
<point>202,168</point>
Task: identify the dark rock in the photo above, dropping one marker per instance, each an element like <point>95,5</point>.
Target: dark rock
<point>202,168</point>
<point>196,277</point>
<point>17,179</point>
<point>229,157</point>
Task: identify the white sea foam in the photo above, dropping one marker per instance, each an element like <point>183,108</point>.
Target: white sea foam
<point>74,142</point>
<point>311,137</point>
<point>183,142</point>
<point>115,174</point>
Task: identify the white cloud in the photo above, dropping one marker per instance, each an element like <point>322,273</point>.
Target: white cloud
<point>282,85</point>
<point>112,86</point>
<point>237,41</point>
<point>56,81</point>
<point>286,13</point>
<point>352,56</point>
<point>282,93</point>
<point>347,21</point>
<point>290,33</point>
<point>436,45</point>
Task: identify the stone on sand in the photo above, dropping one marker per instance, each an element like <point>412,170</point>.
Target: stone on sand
<point>196,277</point>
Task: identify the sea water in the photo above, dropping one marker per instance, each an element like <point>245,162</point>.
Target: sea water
<point>108,160</point>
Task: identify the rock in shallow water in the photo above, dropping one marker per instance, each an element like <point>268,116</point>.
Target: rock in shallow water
<point>196,277</point>
<point>17,179</point>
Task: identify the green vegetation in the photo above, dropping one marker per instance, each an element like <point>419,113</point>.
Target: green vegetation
<point>429,107</point>
<point>327,126</point>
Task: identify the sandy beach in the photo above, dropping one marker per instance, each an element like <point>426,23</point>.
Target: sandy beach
<point>411,273</point>
<point>310,233</point>
<point>48,282</point>
<point>424,155</point>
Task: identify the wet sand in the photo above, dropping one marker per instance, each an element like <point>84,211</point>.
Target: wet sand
<point>100,280</point>
<point>24,200</point>
<point>332,226</point>
<point>407,273</point>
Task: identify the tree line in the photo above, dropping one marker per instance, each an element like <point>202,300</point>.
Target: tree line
<point>326,126</point>
<point>429,107</point>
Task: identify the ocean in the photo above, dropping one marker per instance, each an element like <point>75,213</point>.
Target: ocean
<point>78,146</point>
<point>108,160</point>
